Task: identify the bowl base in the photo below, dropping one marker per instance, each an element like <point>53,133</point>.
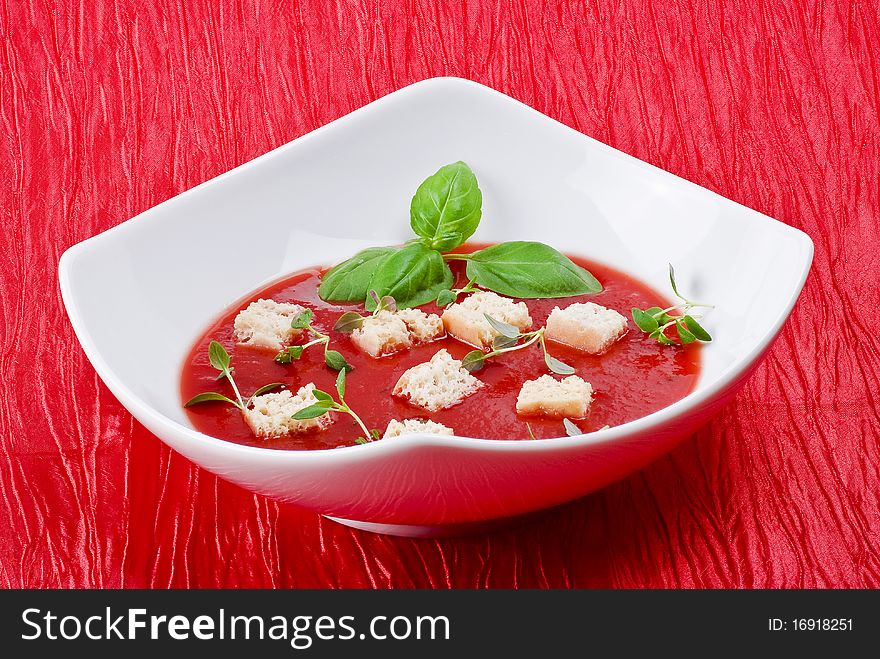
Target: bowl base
<point>431,530</point>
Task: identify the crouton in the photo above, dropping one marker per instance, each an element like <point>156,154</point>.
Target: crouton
<point>588,327</point>
<point>547,396</point>
<point>266,324</point>
<point>271,415</point>
<point>388,332</point>
<point>466,320</point>
<point>423,327</point>
<point>437,384</point>
<point>415,427</point>
<point>382,334</point>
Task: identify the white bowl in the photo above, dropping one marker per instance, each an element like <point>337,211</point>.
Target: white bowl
<point>139,295</point>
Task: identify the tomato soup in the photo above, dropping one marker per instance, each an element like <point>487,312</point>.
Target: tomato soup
<point>635,377</point>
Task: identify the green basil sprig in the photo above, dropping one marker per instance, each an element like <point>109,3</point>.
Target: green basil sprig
<point>220,359</point>
<point>303,321</point>
<point>509,339</point>
<point>655,321</point>
<point>325,404</point>
<point>445,211</point>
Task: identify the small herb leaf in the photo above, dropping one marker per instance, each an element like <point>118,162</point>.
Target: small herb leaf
<point>557,366</point>
<point>208,397</point>
<point>218,356</point>
<point>413,276</point>
<point>571,429</point>
<point>349,322</point>
<point>336,361</point>
<point>684,334</point>
<point>266,388</point>
<point>445,298</point>
<point>529,270</point>
<point>302,319</point>
<point>340,383</point>
<point>446,208</point>
<point>672,283</point>
<point>504,329</point>
<point>645,321</point>
<point>311,412</point>
<point>696,329</point>
<point>501,342</point>
<point>322,395</point>
<point>360,440</point>
<point>663,339</point>
<point>350,280</point>
<point>387,303</point>
<point>473,361</point>
<point>659,315</point>
<point>289,354</point>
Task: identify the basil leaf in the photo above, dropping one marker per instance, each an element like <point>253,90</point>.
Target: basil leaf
<point>266,388</point>
<point>336,361</point>
<point>350,280</point>
<point>645,321</point>
<point>218,356</point>
<point>502,328</point>
<point>311,412</point>
<point>413,275</point>
<point>473,361</point>
<point>571,429</point>
<point>349,322</point>
<point>696,329</point>
<point>446,208</point>
<point>529,270</point>
<point>360,440</point>
<point>207,397</point>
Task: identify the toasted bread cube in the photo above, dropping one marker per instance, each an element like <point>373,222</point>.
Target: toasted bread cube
<point>547,396</point>
<point>382,334</point>
<point>266,324</point>
<point>423,327</point>
<point>271,415</point>
<point>466,320</point>
<point>436,384</point>
<point>388,332</point>
<point>588,327</point>
<point>415,427</point>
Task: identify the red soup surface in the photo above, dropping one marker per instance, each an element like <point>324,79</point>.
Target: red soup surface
<point>635,377</point>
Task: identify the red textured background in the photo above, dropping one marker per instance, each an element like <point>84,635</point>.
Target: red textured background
<point>108,108</point>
